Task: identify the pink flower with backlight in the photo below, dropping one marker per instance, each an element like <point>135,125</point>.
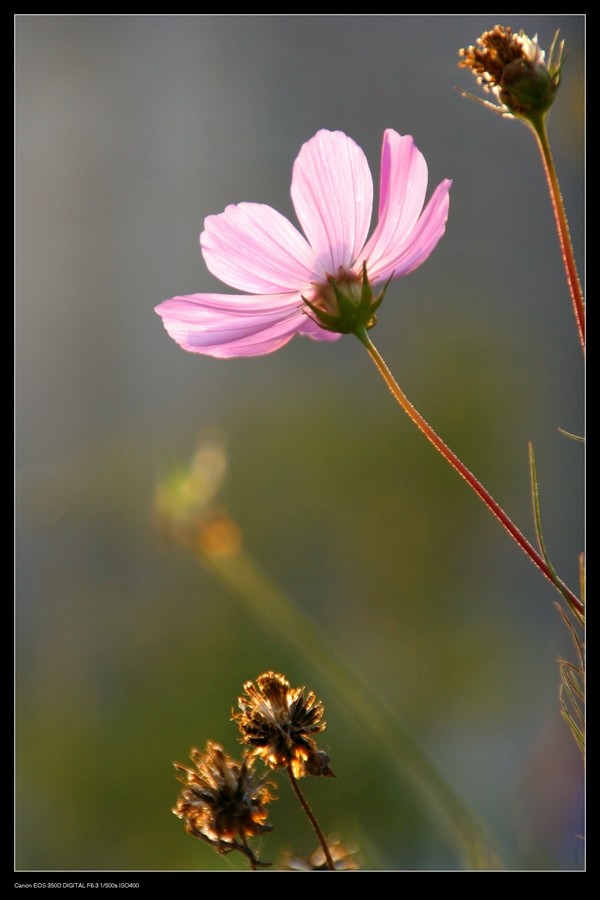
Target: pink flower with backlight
<point>291,283</point>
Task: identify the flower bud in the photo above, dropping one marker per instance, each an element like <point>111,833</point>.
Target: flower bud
<point>513,67</point>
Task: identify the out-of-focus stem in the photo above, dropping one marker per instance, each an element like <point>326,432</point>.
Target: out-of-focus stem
<point>465,473</point>
<point>538,126</point>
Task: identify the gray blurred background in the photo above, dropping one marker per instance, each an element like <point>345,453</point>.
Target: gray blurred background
<point>132,129</point>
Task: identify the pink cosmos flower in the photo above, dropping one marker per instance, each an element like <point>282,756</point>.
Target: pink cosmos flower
<point>286,278</point>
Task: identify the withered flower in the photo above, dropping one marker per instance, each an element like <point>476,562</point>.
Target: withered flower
<point>278,722</point>
<point>222,801</point>
<point>513,67</point>
<point>343,856</point>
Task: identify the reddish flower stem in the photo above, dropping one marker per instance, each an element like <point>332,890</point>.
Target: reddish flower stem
<point>468,476</point>
<point>538,126</point>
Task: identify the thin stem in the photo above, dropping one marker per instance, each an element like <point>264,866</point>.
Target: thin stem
<point>462,470</point>
<point>538,126</point>
<point>249,852</point>
<point>311,816</point>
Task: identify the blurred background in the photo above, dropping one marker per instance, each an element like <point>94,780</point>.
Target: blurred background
<point>130,131</point>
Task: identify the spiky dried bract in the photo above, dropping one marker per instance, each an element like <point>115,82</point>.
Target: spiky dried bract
<point>222,801</point>
<point>513,67</point>
<point>278,722</point>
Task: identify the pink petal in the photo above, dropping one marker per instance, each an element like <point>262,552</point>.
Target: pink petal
<point>403,180</point>
<point>310,328</point>
<point>254,248</point>
<point>400,241</point>
<point>415,248</point>
<point>332,193</point>
<point>229,325</point>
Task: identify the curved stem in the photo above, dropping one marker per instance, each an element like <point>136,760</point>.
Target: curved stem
<point>538,126</point>
<point>304,803</point>
<point>468,476</point>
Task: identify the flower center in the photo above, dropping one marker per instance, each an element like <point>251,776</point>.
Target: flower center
<point>346,304</point>
<point>324,297</point>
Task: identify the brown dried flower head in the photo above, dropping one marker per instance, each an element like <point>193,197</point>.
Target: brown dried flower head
<point>513,67</point>
<point>278,722</point>
<point>222,801</point>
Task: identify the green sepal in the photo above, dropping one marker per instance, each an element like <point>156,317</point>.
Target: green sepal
<point>354,314</point>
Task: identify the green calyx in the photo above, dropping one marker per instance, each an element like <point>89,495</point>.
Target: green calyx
<point>526,91</point>
<point>528,86</point>
<point>346,305</point>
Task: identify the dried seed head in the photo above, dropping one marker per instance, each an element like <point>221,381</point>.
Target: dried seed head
<point>513,67</point>
<point>344,858</point>
<point>222,802</point>
<point>278,722</point>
